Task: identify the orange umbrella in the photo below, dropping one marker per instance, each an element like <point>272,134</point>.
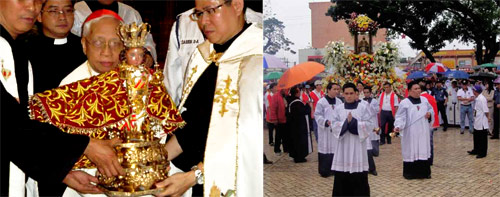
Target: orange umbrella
<point>300,73</point>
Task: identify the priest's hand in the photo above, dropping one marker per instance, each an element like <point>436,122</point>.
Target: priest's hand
<point>428,115</point>
<point>349,117</point>
<point>396,130</point>
<point>82,182</point>
<point>498,105</point>
<point>101,152</point>
<point>177,184</point>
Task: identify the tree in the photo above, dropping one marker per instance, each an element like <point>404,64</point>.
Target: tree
<point>274,36</point>
<point>417,20</point>
<point>430,23</point>
<point>477,22</point>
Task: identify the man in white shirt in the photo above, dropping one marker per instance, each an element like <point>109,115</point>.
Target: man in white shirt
<point>465,97</point>
<point>481,124</point>
<point>387,108</point>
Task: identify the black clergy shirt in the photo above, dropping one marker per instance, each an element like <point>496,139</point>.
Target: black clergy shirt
<point>51,62</point>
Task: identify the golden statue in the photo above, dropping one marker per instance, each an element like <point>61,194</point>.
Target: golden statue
<point>129,102</point>
<point>363,46</point>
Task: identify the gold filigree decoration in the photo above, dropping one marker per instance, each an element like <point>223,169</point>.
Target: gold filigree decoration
<point>214,57</point>
<point>134,35</point>
<point>224,95</point>
<point>190,83</point>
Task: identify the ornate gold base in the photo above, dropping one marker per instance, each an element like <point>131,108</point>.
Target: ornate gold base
<point>136,193</point>
<point>144,162</point>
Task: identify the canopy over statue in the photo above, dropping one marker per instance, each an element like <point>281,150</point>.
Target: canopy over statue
<point>371,67</point>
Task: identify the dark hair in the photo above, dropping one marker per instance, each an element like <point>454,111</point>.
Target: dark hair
<point>454,82</point>
<point>71,1</point>
<point>423,87</point>
<point>294,90</point>
<point>439,81</point>
<point>368,88</point>
<point>330,85</point>
<point>411,84</point>
<point>387,83</point>
<point>361,83</point>
<point>490,86</point>
<point>271,86</point>
<point>349,85</point>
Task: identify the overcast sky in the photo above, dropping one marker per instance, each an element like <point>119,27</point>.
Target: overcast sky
<point>296,17</point>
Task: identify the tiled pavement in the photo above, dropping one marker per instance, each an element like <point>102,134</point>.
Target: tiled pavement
<point>454,173</point>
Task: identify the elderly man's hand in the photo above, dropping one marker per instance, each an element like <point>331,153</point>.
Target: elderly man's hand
<point>82,182</point>
<point>428,115</point>
<point>177,184</point>
<point>101,153</point>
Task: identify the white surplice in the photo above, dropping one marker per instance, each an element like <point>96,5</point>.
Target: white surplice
<point>351,155</point>
<point>327,143</point>
<point>414,129</point>
<point>233,154</point>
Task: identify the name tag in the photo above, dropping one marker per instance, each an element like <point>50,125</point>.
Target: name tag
<point>190,41</point>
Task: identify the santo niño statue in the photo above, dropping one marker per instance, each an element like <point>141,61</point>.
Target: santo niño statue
<point>130,103</point>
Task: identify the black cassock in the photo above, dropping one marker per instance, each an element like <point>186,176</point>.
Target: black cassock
<point>42,151</point>
<point>51,62</point>
<point>298,124</point>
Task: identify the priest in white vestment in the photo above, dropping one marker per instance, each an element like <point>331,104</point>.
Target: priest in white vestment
<point>222,105</point>
<point>327,143</point>
<point>413,124</point>
<point>351,125</point>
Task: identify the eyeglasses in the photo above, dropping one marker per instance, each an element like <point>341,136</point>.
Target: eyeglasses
<point>196,15</point>
<point>56,12</point>
<point>114,45</point>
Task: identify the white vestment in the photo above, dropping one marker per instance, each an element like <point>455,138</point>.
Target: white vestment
<point>374,106</point>
<point>351,155</point>
<point>414,129</point>
<point>83,71</point>
<point>233,154</point>
<point>327,143</point>
<point>127,13</point>
<point>185,35</point>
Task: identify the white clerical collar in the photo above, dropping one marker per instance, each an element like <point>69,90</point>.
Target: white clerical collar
<point>60,41</point>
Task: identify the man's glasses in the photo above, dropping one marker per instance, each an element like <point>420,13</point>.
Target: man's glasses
<point>114,45</point>
<point>196,15</point>
<point>56,12</point>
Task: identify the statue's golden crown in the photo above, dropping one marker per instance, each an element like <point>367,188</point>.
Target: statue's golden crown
<point>133,35</point>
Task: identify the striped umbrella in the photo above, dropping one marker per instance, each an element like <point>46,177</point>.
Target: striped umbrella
<point>435,67</point>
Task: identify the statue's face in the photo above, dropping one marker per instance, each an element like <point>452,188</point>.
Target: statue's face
<point>135,56</point>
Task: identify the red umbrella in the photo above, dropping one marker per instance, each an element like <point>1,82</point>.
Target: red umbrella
<point>299,73</point>
<point>435,67</point>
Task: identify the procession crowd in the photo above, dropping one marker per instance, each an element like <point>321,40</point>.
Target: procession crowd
<point>350,122</point>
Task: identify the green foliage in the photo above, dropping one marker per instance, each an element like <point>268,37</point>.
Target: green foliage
<point>274,36</point>
<point>430,23</point>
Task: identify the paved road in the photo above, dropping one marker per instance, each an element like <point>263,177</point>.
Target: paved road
<point>454,173</point>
